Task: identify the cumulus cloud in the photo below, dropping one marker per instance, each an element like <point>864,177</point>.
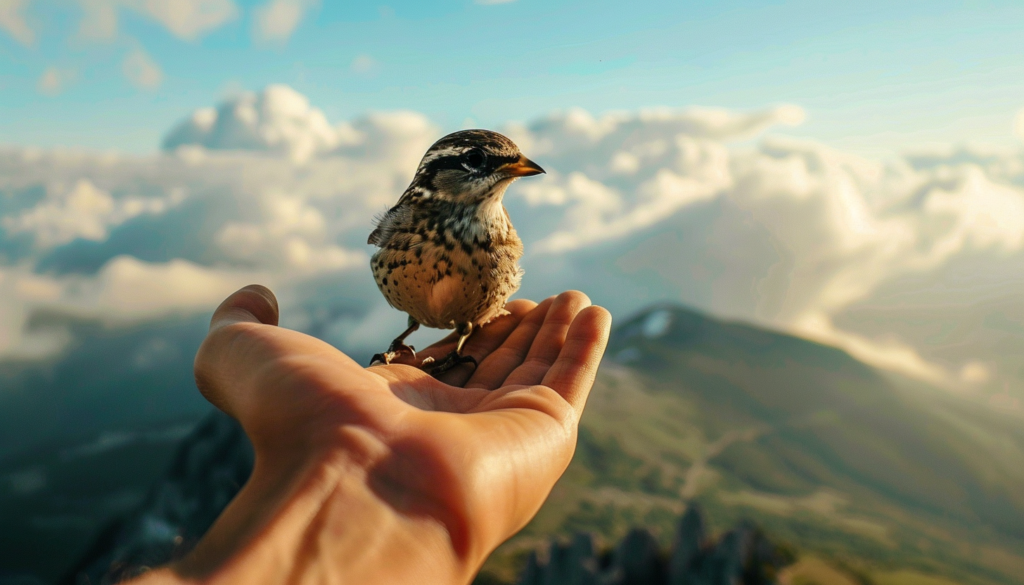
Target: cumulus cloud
<point>53,80</point>
<point>34,322</point>
<point>121,239</point>
<point>277,19</point>
<point>84,211</point>
<point>12,21</point>
<point>189,19</point>
<point>141,70</point>
<point>186,19</point>
<point>693,205</point>
<point>99,20</point>
<point>364,64</point>
<point>279,120</point>
<point>793,234</point>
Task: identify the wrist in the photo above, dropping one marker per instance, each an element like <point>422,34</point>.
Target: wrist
<point>288,531</point>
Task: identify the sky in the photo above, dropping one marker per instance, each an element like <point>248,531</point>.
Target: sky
<point>876,78</point>
<point>854,175</point>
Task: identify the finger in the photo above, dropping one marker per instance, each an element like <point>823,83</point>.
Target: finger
<point>480,344</point>
<point>484,339</point>
<point>572,374</point>
<point>550,339</point>
<point>491,372</point>
<point>487,339</point>
<point>253,303</point>
<point>230,351</point>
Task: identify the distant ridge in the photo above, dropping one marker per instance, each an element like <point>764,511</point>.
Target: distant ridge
<point>818,449</point>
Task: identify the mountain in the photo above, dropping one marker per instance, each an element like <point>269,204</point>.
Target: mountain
<point>872,478</point>
<point>881,478</point>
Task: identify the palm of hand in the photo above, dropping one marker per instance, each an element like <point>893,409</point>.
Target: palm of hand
<point>455,466</point>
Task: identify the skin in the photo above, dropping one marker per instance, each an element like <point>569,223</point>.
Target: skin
<point>385,474</point>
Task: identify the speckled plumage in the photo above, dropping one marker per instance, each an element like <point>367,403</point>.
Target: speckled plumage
<point>450,263</point>
<point>448,252</point>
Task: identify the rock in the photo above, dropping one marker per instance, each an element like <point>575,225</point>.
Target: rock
<point>209,468</point>
<point>574,563</point>
<point>639,559</point>
<point>690,538</point>
<point>215,460</point>
<point>742,556</point>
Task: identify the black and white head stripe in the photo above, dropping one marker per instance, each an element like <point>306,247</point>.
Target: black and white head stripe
<point>474,151</point>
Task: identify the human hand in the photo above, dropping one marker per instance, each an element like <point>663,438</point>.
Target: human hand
<point>385,474</point>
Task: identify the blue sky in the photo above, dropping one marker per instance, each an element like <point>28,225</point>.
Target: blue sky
<point>875,78</point>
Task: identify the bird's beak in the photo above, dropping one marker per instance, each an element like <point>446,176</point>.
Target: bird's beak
<point>523,167</point>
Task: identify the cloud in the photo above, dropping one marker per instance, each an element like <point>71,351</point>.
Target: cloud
<point>125,291</point>
<point>280,120</point>
<point>128,290</point>
<point>12,21</point>
<point>141,70</point>
<point>698,206</point>
<point>189,19</point>
<point>277,19</point>
<point>364,64</point>
<point>83,212</point>
<point>53,81</point>
<point>99,20</point>
<point>1018,124</point>
<point>186,19</point>
<point>663,204</point>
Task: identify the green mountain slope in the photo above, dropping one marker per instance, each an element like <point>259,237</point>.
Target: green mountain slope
<point>842,461</point>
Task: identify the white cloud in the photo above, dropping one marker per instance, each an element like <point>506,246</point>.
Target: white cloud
<point>189,19</point>
<point>99,20</point>
<point>1018,124</point>
<point>280,120</point>
<point>287,231</point>
<point>12,21</point>
<point>277,19</point>
<point>54,81</point>
<point>141,70</point>
<point>128,290</point>
<point>124,291</point>
<point>186,19</point>
<point>637,207</point>
<point>84,211</point>
<point>364,64</point>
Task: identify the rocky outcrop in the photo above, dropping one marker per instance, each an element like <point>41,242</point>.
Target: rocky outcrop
<point>214,462</point>
<point>209,468</point>
<point>742,556</point>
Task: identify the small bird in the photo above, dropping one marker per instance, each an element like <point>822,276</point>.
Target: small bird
<point>449,256</point>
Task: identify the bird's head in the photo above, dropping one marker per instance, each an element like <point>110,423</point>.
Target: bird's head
<point>471,166</point>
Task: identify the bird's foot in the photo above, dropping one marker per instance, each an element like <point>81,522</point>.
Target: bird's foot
<point>436,368</point>
<point>397,348</point>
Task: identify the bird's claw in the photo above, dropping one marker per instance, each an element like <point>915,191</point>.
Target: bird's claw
<point>394,351</point>
<point>453,359</point>
<point>382,359</point>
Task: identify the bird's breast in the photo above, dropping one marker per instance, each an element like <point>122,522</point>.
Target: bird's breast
<point>451,275</point>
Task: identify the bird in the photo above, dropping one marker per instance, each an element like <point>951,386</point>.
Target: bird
<point>448,254</point>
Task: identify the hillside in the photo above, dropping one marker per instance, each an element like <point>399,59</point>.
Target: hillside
<point>874,479</point>
<point>848,464</point>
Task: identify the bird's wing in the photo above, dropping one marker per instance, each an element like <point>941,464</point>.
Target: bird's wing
<point>394,225</point>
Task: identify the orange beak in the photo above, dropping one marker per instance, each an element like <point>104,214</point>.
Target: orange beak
<point>523,167</point>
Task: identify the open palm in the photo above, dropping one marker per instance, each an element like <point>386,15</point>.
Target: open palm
<point>358,466</point>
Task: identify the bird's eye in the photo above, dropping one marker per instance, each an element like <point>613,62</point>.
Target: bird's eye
<point>473,160</point>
